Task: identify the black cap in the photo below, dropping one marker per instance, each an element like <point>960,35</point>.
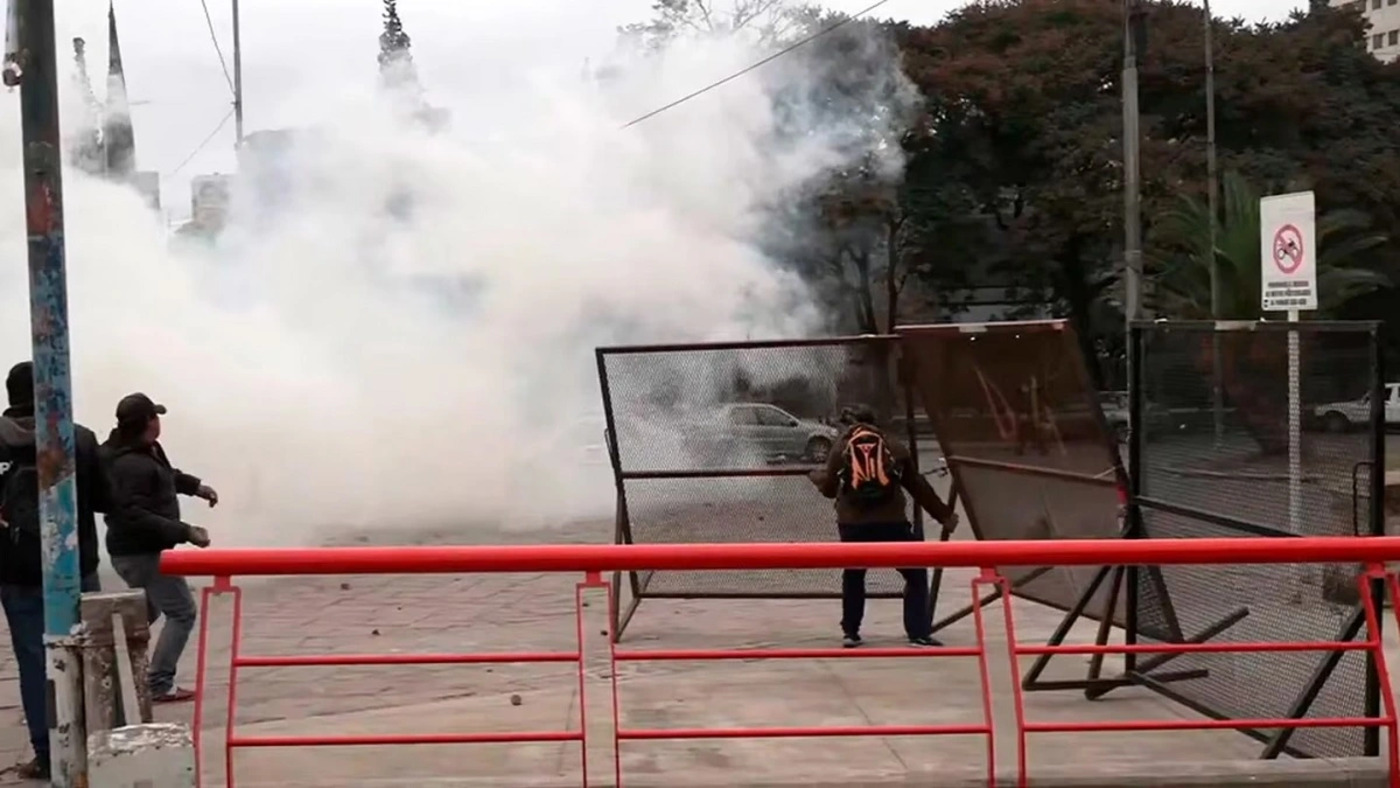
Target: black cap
<point>19,384</point>
<point>138,409</point>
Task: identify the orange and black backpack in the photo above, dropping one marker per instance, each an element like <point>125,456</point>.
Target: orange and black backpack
<point>868,473</point>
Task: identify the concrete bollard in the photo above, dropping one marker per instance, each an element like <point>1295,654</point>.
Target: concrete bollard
<point>114,660</point>
<point>150,755</point>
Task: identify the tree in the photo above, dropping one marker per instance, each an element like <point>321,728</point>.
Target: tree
<point>852,230</point>
<point>1024,117</point>
<point>396,69</point>
<point>398,75</point>
<point>1182,286</point>
<point>768,22</point>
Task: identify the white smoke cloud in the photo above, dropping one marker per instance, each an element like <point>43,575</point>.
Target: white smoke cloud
<point>333,364</point>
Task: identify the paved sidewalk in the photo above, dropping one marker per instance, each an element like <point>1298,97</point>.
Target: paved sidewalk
<point>409,614</point>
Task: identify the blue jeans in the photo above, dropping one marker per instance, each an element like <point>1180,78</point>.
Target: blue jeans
<point>165,594</point>
<point>24,611</point>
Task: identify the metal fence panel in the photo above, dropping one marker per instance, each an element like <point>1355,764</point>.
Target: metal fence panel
<point>1218,465</point>
<point>713,442</point>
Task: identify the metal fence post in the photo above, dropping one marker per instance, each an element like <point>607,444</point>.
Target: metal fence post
<point>1376,523</point>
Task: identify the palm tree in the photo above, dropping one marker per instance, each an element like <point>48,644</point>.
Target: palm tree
<point>1181,285</point>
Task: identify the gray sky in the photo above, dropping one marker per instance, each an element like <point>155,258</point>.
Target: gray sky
<point>470,55</point>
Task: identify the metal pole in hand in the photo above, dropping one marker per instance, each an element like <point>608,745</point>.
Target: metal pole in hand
<point>48,311</point>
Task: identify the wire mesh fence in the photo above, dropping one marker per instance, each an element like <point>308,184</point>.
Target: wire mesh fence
<point>713,443</point>
<point>1268,431</point>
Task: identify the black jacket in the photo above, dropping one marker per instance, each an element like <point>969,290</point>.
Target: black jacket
<point>145,516</point>
<point>21,563</point>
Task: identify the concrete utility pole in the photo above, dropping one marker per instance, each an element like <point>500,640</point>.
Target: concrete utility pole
<point>237,78</point>
<point>1132,197</point>
<point>1132,188</point>
<point>1212,189</point>
<point>48,310</point>
<point>1213,186</point>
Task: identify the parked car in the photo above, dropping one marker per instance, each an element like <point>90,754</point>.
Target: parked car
<point>771,431</point>
<point>1353,414</point>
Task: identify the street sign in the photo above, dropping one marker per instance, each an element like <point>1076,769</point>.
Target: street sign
<point>1287,252</point>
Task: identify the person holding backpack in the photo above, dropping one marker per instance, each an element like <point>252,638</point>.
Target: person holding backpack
<point>867,474</point>
<point>21,565</point>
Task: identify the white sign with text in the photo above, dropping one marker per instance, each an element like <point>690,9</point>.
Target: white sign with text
<point>1287,253</point>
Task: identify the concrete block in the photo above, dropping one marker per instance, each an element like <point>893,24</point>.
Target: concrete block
<point>150,755</point>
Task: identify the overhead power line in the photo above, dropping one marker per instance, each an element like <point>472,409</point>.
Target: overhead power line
<point>760,64</point>
<point>214,38</point>
<point>205,143</point>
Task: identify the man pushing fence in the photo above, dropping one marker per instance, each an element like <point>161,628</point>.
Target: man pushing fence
<point>867,474</point>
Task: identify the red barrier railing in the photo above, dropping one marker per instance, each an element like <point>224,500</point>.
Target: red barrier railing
<point>1373,645</point>
<point>593,560</point>
<point>237,660</point>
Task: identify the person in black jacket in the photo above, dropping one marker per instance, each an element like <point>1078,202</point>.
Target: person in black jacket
<point>145,521</point>
<point>21,565</point>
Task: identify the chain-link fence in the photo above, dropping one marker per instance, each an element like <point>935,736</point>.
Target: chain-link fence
<point>713,443</point>
<point>1031,451</point>
<point>1266,430</point>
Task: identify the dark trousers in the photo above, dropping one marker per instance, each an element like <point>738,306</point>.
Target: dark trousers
<point>24,612</point>
<point>916,616</point>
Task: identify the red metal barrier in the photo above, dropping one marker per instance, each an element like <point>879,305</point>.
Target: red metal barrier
<point>1373,645</point>
<point>592,560</point>
<point>985,728</point>
<point>237,660</point>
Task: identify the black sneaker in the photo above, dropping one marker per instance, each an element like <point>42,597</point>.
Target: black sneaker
<point>37,769</point>
<point>924,641</point>
<point>850,640</point>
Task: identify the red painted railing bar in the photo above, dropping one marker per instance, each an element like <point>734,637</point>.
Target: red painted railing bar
<point>450,559</point>
<point>1390,720</point>
<point>792,653</point>
<point>333,660</point>
<point>795,733</point>
<point>1194,648</point>
<point>1190,725</point>
<point>405,738</point>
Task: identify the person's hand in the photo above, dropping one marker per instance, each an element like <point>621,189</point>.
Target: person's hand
<point>951,521</point>
<point>198,537</point>
<point>207,493</point>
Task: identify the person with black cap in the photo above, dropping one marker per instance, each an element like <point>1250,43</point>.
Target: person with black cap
<point>867,473</point>
<point>21,562</point>
<point>145,521</point>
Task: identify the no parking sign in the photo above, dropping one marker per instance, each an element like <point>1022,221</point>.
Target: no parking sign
<point>1287,252</point>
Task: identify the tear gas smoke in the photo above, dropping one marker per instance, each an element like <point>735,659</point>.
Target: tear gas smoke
<point>400,334</point>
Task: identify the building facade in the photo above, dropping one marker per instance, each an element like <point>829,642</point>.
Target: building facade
<point>1384,16</point>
